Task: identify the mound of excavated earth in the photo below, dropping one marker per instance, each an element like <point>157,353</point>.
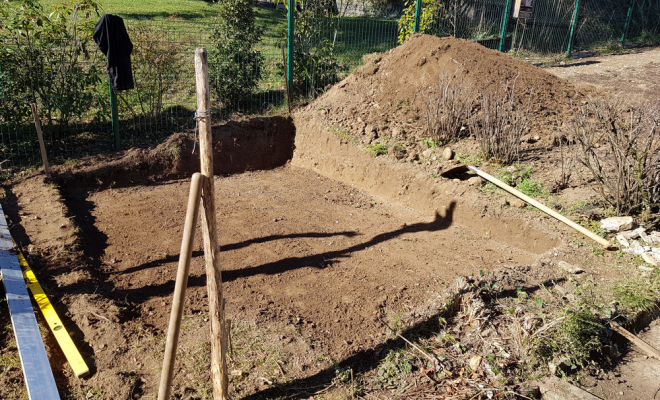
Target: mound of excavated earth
<point>386,93</point>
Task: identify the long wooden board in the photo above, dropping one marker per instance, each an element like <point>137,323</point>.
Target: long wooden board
<point>38,374</point>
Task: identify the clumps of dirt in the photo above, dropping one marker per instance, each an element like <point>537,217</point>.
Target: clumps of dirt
<point>239,146</point>
<point>383,98</point>
<point>488,333</point>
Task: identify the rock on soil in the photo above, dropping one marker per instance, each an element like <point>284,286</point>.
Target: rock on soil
<point>616,224</point>
<point>517,203</point>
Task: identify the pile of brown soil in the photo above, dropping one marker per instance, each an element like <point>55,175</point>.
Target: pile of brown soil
<point>385,94</point>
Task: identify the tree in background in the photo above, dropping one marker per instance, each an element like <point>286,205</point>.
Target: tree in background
<point>236,66</point>
<point>42,60</point>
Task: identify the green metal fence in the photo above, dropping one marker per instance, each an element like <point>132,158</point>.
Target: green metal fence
<point>328,42</point>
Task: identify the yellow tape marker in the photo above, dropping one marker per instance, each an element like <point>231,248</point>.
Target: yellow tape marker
<point>69,349</point>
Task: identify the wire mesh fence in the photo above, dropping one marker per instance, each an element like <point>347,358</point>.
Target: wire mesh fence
<point>66,76</point>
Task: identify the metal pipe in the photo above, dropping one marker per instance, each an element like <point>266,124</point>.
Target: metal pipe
<point>505,24</point>
<point>575,17</point>
<point>628,18</point>
<point>115,116</point>
<point>418,15</point>
<point>290,39</point>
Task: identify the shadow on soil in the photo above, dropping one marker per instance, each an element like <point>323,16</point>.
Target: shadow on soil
<point>366,360</point>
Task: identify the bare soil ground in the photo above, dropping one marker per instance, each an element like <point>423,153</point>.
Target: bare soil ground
<point>632,77</point>
<point>320,253</point>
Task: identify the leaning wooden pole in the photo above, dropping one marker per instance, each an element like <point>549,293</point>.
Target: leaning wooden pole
<point>603,242</point>
<point>40,136</point>
<point>180,287</point>
<point>209,230</point>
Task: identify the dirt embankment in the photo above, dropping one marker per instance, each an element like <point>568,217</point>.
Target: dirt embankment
<point>239,146</point>
<point>385,94</point>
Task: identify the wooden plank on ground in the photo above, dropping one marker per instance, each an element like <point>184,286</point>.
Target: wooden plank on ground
<point>53,320</point>
<point>34,360</point>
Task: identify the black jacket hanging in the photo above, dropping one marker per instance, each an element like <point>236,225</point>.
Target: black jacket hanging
<point>111,37</point>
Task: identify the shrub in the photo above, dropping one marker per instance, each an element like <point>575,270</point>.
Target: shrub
<point>158,65</point>
<point>569,339</point>
<point>431,10</point>
<point>448,106</point>
<point>314,62</point>
<point>501,123</point>
<point>42,60</point>
<point>620,147</point>
<point>235,64</point>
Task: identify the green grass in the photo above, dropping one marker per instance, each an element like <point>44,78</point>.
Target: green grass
<point>636,295</point>
<point>152,9</point>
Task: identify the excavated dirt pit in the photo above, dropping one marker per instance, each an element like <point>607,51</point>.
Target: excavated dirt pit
<point>320,246</point>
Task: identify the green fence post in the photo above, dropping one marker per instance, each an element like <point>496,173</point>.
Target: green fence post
<point>289,43</point>
<point>418,15</point>
<point>575,17</point>
<point>115,116</point>
<point>505,24</point>
<point>628,18</point>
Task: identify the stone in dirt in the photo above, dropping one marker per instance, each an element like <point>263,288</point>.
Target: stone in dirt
<point>427,153</point>
<point>651,259</point>
<point>634,234</point>
<point>448,153</point>
<point>503,201</point>
<point>616,224</point>
<point>516,202</point>
<point>553,388</point>
<point>635,248</point>
<point>622,240</point>
<point>475,181</point>
<point>570,268</point>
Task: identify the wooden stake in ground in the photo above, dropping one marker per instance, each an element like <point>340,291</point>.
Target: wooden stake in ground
<point>211,248</point>
<point>648,349</point>
<point>40,135</point>
<point>180,288</point>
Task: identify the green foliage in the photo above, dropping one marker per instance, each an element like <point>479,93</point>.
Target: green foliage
<point>41,60</point>
<point>430,143</point>
<point>520,178</point>
<point>430,14</point>
<point>570,338</point>
<point>160,65</point>
<point>376,150</point>
<point>636,295</point>
<point>315,63</point>
<point>394,367</point>
<point>235,64</point>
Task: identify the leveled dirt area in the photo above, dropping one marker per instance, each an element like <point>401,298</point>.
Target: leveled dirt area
<point>632,77</point>
<point>325,250</point>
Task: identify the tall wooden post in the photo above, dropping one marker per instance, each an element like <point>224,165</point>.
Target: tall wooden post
<point>209,230</point>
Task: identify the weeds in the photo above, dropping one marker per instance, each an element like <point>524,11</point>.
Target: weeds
<point>376,150</point>
<point>448,106</point>
<point>568,339</point>
<point>501,123</point>
<point>395,367</point>
<point>626,169</point>
<point>636,295</point>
